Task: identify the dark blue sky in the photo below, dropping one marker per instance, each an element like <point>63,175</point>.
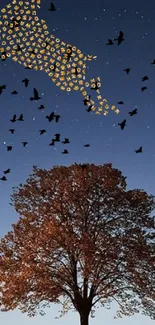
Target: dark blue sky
<point>88,25</point>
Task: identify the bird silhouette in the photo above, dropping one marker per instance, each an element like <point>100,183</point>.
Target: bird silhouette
<point>46,44</point>
<point>65,151</point>
<point>120,102</point>
<point>96,86</point>
<point>15,22</point>
<point>76,72</point>
<point>57,137</point>
<point>42,131</point>
<point>9,148</point>
<point>36,97</point>
<point>29,68</point>
<point>57,117</point>
<point>18,48</point>
<point>14,118</point>
<point>20,118</point>
<point>143,88</point>
<point>122,124</point>
<point>52,142</point>
<point>24,143</point>
<point>52,7</point>
<point>145,78</point>
<point>86,100</point>
<point>14,92</point>
<point>41,107</point>
<point>1,88</point>
<point>6,171</point>
<point>12,131</point>
<point>153,62</point>
<point>3,56</point>
<point>110,42</point>
<point>54,67</point>
<point>133,112</point>
<point>33,51</point>
<point>3,178</point>
<point>127,70</point>
<point>86,145</point>
<point>65,141</point>
<point>26,81</point>
<point>120,38</point>
<point>139,150</point>
<point>89,109</point>
<point>50,117</point>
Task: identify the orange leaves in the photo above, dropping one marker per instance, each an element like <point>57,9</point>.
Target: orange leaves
<point>77,222</point>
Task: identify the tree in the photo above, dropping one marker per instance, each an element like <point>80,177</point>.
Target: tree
<point>79,223</point>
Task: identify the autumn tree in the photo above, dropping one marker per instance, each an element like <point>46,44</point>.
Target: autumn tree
<point>83,237</point>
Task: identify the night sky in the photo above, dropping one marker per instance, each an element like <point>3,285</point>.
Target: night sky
<point>87,25</point>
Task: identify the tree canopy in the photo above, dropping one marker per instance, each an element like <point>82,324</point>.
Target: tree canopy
<point>83,237</point>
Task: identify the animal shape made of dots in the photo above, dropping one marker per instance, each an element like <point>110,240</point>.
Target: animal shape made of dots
<point>26,39</point>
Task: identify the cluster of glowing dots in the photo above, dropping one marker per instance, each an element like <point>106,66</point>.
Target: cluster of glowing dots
<point>26,39</point>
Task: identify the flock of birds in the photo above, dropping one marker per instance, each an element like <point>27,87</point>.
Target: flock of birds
<point>51,117</point>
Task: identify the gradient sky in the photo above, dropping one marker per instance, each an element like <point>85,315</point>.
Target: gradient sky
<point>88,25</point>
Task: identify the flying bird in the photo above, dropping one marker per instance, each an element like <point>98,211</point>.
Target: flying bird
<point>50,117</point>
<point>12,130</point>
<point>41,107</point>
<point>33,51</point>
<point>57,139</point>
<point>139,150</point>
<point>14,118</point>
<point>54,67</point>
<point>110,42</point>
<point>24,143</point>
<point>153,62</point>
<point>28,68</point>
<point>65,151</point>
<point>3,178</point>
<point>36,97</point>
<point>1,88</point>
<point>127,70</point>
<point>9,148</point>
<point>122,124</point>
<point>133,112</point>
<point>65,141</point>
<point>57,117</point>
<point>42,131</point>
<point>143,88</point>
<point>3,54</point>
<point>145,78</point>
<point>86,100</point>
<point>14,92</point>
<point>52,7</point>
<point>6,171</point>
<point>89,108</point>
<point>120,38</point>
<point>86,145</point>
<point>52,142</point>
<point>120,102</point>
<point>96,86</point>
<point>26,81</point>
<point>18,48</point>
<point>76,72</point>
<point>20,118</point>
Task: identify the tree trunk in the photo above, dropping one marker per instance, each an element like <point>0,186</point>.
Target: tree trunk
<point>84,318</point>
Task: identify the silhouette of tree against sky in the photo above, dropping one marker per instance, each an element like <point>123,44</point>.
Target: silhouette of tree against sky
<point>83,237</point>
